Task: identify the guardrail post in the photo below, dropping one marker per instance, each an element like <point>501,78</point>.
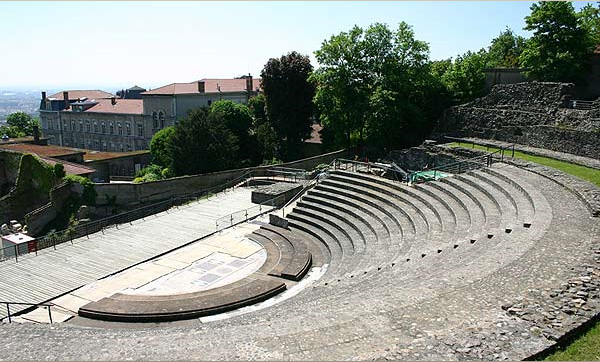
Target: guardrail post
<point>54,241</point>
<point>501,155</point>
<point>16,254</point>
<point>513,151</point>
<point>49,314</point>
<point>8,312</point>
<point>459,167</point>
<point>246,214</point>
<point>231,219</point>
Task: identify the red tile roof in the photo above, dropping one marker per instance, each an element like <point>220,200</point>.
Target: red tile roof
<point>128,106</point>
<point>210,86</point>
<point>101,156</point>
<point>70,168</point>
<point>76,94</point>
<point>46,151</point>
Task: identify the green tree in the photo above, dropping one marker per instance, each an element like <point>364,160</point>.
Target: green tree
<point>376,86</point>
<point>505,50</point>
<point>160,146</point>
<point>559,48</point>
<point>589,17</point>
<point>465,79</point>
<point>288,95</point>
<point>22,122</point>
<point>202,143</point>
<point>238,119</point>
<point>262,130</point>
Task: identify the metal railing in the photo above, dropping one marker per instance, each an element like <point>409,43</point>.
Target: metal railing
<point>344,164</point>
<point>31,305</point>
<point>53,239</point>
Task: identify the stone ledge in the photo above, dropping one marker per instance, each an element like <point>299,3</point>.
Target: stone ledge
<point>141,308</point>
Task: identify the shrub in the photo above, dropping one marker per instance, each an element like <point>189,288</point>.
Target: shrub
<point>59,170</point>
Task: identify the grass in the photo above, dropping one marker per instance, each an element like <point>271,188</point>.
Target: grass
<point>586,173</point>
<point>587,346</point>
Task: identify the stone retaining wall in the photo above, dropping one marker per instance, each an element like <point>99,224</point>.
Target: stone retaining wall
<point>531,114</point>
<point>37,219</point>
<point>133,194</point>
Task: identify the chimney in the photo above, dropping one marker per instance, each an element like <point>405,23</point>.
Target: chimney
<point>44,95</point>
<point>113,100</point>
<point>36,134</point>
<point>249,83</point>
<point>201,88</point>
<point>66,99</point>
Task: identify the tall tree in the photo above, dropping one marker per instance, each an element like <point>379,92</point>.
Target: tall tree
<point>22,123</point>
<point>589,17</point>
<point>262,130</point>
<point>376,86</point>
<point>505,50</point>
<point>559,48</point>
<point>465,78</point>
<point>202,143</point>
<point>237,118</point>
<point>160,146</point>
<point>288,95</point>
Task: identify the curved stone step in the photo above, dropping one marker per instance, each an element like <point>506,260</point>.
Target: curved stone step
<point>145,308</point>
<point>293,264</point>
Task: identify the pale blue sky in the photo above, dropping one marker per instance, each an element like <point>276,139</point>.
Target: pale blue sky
<point>112,45</point>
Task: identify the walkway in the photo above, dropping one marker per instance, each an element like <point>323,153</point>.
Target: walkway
<point>35,279</point>
<point>562,156</point>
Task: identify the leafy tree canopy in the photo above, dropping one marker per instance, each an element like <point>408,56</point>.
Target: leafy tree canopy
<point>465,78</point>
<point>589,17</point>
<point>203,143</point>
<point>160,146</point>
<point>560,46</point>
<point>20,124</point>
<point>376,85</point>
<point>505,50</point>
<point>288,100</point>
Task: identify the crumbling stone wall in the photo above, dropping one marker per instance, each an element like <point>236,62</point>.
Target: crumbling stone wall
<point>534,114</point>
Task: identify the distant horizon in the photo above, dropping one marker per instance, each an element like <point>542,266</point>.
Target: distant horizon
<point>155,43</point>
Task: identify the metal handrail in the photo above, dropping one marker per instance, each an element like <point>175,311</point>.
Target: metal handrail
<point>62,236</point>
<point>8,304</point>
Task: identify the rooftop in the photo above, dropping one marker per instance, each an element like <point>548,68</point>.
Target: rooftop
<point>77,94</point>
<point>210,86</point>
<point>70,167</point>
<point>42,151</point>
<point>127,106</point>
<point>91,156</point>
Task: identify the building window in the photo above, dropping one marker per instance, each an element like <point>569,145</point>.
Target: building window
<point>95,127</point>
<point>103,126</point>
<point>209,102</point>
<point>128,126</point>
<point>111,128</point>
<point>119,129</point>
<point>155,120</point>
<point>64,125</point>
<point>161,118</point>
<point>103,146</point>
<point>72,125</point>
<point>80,126</point>
<point>128,147</point>
<point>112,146</point>
<point>88,128</point>
<point>140,130</point>
<point>121,147</point>
<point>96,145</point>
<point>82,144</point>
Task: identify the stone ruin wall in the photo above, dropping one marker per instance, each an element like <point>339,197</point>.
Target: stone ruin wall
<point>533,114</point>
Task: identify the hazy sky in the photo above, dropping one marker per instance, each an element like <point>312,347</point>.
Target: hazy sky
<point>111,45</point>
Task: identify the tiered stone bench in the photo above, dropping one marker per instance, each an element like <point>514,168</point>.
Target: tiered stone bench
<point>482,265</point>
<point>143,308</point>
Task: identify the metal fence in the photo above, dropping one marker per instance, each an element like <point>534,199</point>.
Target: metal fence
<point>9,315</point>
<point>53,239</point>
